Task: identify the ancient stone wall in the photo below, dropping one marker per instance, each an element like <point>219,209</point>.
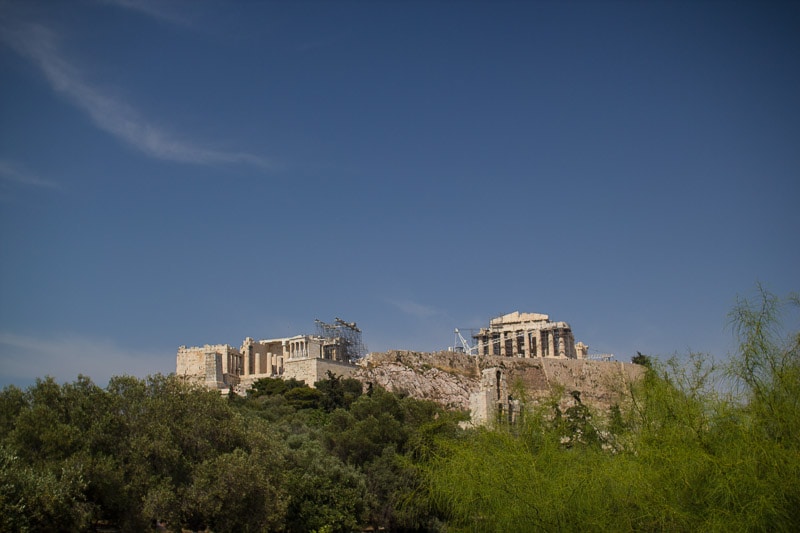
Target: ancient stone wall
<point>493,403</point>
<point>312,370</point>
<point>450,378</point>
<point>205,365</point>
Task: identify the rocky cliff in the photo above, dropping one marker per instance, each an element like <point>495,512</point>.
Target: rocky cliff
<point>449,378</point>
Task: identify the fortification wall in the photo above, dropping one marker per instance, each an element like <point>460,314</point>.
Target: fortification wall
<point>450,378</point>
<point>201,366</point>
<point>311,370</point>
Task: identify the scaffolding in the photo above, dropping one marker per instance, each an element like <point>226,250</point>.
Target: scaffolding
<point>345,336</point>
<point>600,356</point>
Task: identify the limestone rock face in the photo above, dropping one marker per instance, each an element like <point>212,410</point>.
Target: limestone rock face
<point>444,377</point>
<point>449,378</point>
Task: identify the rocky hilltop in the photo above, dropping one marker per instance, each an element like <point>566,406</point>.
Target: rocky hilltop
<point>449,378</point>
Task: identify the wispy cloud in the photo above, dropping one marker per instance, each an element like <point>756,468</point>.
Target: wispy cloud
<point>157,9</point>
<point>10,171</point>
<point>415,309</point>
<point>116,117</point>
<point>23,358</point>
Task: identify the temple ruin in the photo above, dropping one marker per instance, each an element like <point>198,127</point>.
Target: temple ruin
<point>528,335</point>
<point>306,358</point>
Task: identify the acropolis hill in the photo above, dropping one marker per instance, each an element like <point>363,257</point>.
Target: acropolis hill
<point>518,351</point>
<point>453,379</point>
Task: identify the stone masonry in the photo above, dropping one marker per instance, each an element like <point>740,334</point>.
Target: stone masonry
<point>451,378</point>
<point>528,335</point>
<point>306,358</point>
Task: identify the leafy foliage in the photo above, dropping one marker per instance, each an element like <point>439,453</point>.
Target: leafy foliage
<point>687,453</point>
<point>159,451</point>
<point>694,446</point>
<point>338,392</point>
<point>642,359</point>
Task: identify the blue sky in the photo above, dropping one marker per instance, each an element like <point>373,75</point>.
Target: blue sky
<point>197,172</point>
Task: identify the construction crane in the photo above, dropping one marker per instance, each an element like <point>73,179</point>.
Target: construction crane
<point>462,345</point>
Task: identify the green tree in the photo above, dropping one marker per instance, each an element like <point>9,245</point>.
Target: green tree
<point>42,429</point>
<point>641,359</point>
<point>236,491</point>
<point>687,454</point>
<point>373,422</point>
<point>304,398</point>
<point>338,392</point>
<point>273,387</point>
<point>35,498</point>
<point>12,402</point>
<point>767,367</point>
<point>387,436</point>
<point>324,493</point>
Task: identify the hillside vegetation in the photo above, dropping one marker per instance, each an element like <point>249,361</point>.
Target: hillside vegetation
<point>693,447</point>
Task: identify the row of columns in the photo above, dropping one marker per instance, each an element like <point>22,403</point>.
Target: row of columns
<point>262,363</point>
<point>254,360</point>
<point>551,342</point>
<point>298,349</point>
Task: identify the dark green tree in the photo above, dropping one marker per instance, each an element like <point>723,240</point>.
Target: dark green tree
<point>324,493</point>
<point>304,398</point>
<point>641,359</point>
<point>237,491</point>
<point>338,392</point>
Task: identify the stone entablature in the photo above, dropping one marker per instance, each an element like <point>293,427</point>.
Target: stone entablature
<point>528,335</point>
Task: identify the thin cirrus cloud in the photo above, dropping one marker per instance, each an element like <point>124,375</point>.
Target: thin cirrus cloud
<point>25,358</point>
<point>415,309</point>
<point>39,44</point>
<point>157,9</point>
<point>12,172</point>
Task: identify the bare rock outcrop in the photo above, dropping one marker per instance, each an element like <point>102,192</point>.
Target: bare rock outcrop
<point>443,377</point>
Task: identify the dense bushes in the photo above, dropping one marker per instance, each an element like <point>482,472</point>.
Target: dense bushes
<point>694,447</point>
<point>142,452</point>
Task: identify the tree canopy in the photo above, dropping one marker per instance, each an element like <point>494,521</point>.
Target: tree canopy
<point>696,445</point>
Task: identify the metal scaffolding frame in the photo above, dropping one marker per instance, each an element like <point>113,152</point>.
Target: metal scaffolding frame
<point>346,335</point>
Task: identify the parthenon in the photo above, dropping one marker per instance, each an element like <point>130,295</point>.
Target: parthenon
<point>528,335</point>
